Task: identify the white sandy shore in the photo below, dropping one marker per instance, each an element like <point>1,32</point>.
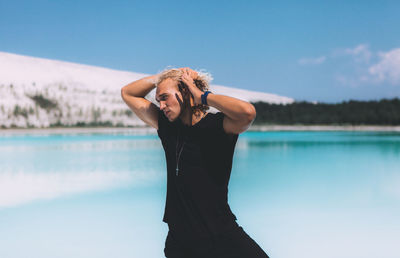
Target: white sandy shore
<point>150,130</point>
<point>79,130</point>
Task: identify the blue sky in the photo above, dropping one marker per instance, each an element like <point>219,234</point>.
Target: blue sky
<point>307,50</point>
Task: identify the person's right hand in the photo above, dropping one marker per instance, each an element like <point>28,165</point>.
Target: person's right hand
<point>193,74</point>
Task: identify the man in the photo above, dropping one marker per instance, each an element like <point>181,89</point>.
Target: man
<point>199,148</point>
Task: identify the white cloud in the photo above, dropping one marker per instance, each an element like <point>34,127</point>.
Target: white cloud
<point>20,187</point>
<point>347,80</point>
<point>368,67</point>
<point>312,61</point>
<point>360,53</point>
<point>388,67</point>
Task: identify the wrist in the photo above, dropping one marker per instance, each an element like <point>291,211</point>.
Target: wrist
<point>204,97</point>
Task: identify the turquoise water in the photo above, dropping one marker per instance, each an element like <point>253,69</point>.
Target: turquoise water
<point>297,194</point>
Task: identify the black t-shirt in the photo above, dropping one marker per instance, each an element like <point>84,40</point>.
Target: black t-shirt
<point>196,201</point>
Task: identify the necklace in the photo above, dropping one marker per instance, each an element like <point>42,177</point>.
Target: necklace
<point>178,157</point>
<point>176,149</point>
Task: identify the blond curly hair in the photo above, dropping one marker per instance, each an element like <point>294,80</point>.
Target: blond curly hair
<point>202,82</point>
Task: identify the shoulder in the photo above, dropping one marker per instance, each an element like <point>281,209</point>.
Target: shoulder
<point>220,117</point>
<point>163,123</point>
<point>161,119</point>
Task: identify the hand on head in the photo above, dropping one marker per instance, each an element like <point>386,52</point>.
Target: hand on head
<point>187,78</point>
<point>192,74</point>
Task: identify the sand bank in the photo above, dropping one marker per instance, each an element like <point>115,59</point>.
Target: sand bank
<point>79,130</point>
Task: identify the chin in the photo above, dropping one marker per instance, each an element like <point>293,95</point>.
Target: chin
<point>170,118</point>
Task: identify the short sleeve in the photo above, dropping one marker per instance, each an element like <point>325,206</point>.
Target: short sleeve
<point>219,116</point>
<point>162,123</point>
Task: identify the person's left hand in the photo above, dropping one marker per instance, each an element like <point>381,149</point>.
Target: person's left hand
<point>187,77</point>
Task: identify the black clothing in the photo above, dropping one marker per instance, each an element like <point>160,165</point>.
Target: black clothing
<point>196,208</point>
<point>197,197</point>
<point>233,243</point>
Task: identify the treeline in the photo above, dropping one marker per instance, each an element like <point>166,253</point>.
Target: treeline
<point>382,112</point>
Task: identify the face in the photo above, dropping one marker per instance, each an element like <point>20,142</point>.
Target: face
<point>170,98</point>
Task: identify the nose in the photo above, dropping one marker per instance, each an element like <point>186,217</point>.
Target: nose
<point>162,105</point>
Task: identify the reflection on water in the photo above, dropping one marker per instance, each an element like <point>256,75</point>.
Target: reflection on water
<point>292,192</point>
<point>388,143</point>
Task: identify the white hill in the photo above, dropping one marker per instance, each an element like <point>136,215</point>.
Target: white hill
<point>38,92</point>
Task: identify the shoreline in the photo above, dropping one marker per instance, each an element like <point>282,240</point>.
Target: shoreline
<point>150,130</point>
<point>78,130</point>
<point>362,128</point>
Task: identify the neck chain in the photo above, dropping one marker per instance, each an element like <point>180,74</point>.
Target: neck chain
<point>176,150</point>
<point>178,157</point>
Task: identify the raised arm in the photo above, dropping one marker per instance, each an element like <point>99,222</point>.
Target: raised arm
<point>239,114</point>
<point>133,94</point>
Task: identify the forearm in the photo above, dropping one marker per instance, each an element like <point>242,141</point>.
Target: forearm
<point>234,108</point>
<point>141,87</point>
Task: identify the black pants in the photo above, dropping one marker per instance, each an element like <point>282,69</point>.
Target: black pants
<point>235,243</point>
